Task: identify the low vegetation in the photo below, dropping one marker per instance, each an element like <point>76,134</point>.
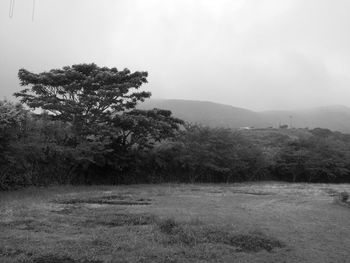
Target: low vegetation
<point>36,150</point>
<point>183,223</point>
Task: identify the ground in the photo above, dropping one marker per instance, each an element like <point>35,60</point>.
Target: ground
<point>248,222</point>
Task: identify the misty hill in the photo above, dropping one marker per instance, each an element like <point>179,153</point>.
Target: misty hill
<point>208,113</point>
<point>335,118</point>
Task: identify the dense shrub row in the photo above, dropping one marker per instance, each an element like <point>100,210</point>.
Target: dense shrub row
<point>36,150</point>
<point>202,154</point>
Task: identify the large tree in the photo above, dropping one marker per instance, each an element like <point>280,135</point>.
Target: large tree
<point>84,94</point>
<point>98,103</point>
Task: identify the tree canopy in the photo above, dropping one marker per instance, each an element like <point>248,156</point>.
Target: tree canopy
<point>98,101</point>
<point>84,94</point>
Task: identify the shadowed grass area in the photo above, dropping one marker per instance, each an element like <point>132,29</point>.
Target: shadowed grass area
<point>61,259</point>
<point>108,200</point>
<point>194,234</point>
<point>342,199</point>
<point>120,220</point>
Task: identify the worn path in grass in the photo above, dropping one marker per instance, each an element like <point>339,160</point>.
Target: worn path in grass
<point>255,222</point>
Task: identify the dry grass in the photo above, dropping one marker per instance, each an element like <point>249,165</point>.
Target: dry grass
<point>250,222</point>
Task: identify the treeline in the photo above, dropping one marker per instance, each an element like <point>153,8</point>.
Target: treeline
<point>37,150</point>
<point>216,155</point>
<point>89,132</point>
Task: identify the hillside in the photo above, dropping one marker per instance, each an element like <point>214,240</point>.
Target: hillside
<point>335,118</point>
<point>208,113</point>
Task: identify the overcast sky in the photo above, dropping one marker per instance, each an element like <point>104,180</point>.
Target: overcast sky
<point>256,54</point>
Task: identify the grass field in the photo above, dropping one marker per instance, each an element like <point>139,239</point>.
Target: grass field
<point>255,222</point>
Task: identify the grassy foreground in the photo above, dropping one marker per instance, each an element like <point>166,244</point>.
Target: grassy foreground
<point>262,222</point>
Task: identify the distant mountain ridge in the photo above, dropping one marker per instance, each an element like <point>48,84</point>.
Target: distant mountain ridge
<point>336,118</point>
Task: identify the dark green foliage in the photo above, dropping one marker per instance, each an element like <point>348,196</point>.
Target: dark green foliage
<point>203,154</point>
<point>13,121</point>
<point>85,95</point>
<point>142,128</point>
<point>39,155</point>
<point>146,146</point>
<point>315,159</point>
<point>218,153</point>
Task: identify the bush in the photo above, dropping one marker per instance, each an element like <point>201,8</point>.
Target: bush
<point>203,154</point>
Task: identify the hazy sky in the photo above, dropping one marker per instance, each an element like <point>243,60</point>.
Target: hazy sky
<point>257,54</point>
